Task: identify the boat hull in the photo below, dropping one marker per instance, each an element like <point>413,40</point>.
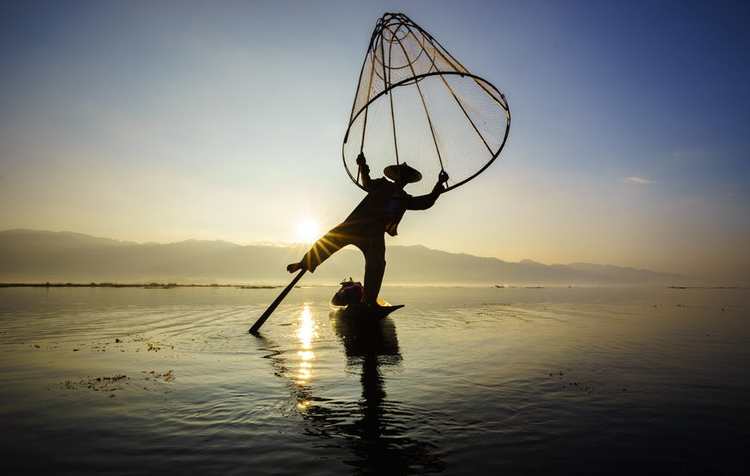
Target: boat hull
<point>346,304</point>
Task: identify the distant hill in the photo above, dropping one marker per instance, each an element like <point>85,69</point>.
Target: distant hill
<point>31,256</point>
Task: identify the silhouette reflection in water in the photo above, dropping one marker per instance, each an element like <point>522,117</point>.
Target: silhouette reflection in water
<point>369,346</point>
<point>374,427</point>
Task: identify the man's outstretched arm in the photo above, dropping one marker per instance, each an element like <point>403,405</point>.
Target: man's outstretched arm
<point>423,202</point>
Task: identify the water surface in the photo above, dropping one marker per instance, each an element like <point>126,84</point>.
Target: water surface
<point>460,381</point>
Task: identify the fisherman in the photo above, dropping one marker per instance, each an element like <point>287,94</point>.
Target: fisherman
<point>378,213</point>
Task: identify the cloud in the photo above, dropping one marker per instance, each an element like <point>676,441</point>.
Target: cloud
<point>638,180</point>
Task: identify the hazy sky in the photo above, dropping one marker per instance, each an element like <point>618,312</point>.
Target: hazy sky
<point>164,121</point>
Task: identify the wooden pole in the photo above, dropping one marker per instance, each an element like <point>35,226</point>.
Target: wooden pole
<point>274,305</point>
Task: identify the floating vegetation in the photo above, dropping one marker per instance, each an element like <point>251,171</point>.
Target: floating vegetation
<point>571,383</point>
<point>115,382</point>
<point>168,376</point>
<point>103,383</point>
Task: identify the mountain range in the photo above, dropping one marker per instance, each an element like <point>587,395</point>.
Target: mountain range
<point>31,256</point>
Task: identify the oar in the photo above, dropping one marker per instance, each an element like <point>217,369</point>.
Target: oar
<point>276,303</point>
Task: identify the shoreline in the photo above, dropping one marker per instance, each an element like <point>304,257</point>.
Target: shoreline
<point>135,285</point>
<point>157,285</point>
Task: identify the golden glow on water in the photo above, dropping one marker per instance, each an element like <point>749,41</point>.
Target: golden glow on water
<point>306,332</point>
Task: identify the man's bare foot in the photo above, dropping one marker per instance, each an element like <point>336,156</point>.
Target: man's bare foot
<point>294,267</point>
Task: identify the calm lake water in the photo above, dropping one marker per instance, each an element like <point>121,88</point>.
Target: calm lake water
<point>460,381</point>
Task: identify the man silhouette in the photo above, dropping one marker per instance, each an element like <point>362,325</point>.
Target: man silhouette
<point>378,213</point>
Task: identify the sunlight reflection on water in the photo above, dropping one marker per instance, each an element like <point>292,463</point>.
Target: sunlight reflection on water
<point>305,333</point>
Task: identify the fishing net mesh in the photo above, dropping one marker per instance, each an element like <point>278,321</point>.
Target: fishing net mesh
<point>416,104</point>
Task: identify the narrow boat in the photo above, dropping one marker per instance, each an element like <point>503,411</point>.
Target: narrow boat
<point>346,302</point>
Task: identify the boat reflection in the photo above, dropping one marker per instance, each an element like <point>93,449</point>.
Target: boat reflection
<point>369,346</point>
<point>373,428</point>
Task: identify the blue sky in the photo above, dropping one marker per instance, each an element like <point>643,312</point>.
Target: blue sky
<point>164,121</point>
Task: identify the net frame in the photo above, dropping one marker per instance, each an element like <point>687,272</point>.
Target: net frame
<point>389,70</point>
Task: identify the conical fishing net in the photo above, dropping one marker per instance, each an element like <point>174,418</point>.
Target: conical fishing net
<point>416,104</point>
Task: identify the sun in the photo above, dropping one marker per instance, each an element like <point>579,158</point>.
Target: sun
<point>308,230</point>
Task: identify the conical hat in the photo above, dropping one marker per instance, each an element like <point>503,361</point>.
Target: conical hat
<point>406,173</point>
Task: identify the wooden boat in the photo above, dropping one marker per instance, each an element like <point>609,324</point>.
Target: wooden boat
<point>346,302</point>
